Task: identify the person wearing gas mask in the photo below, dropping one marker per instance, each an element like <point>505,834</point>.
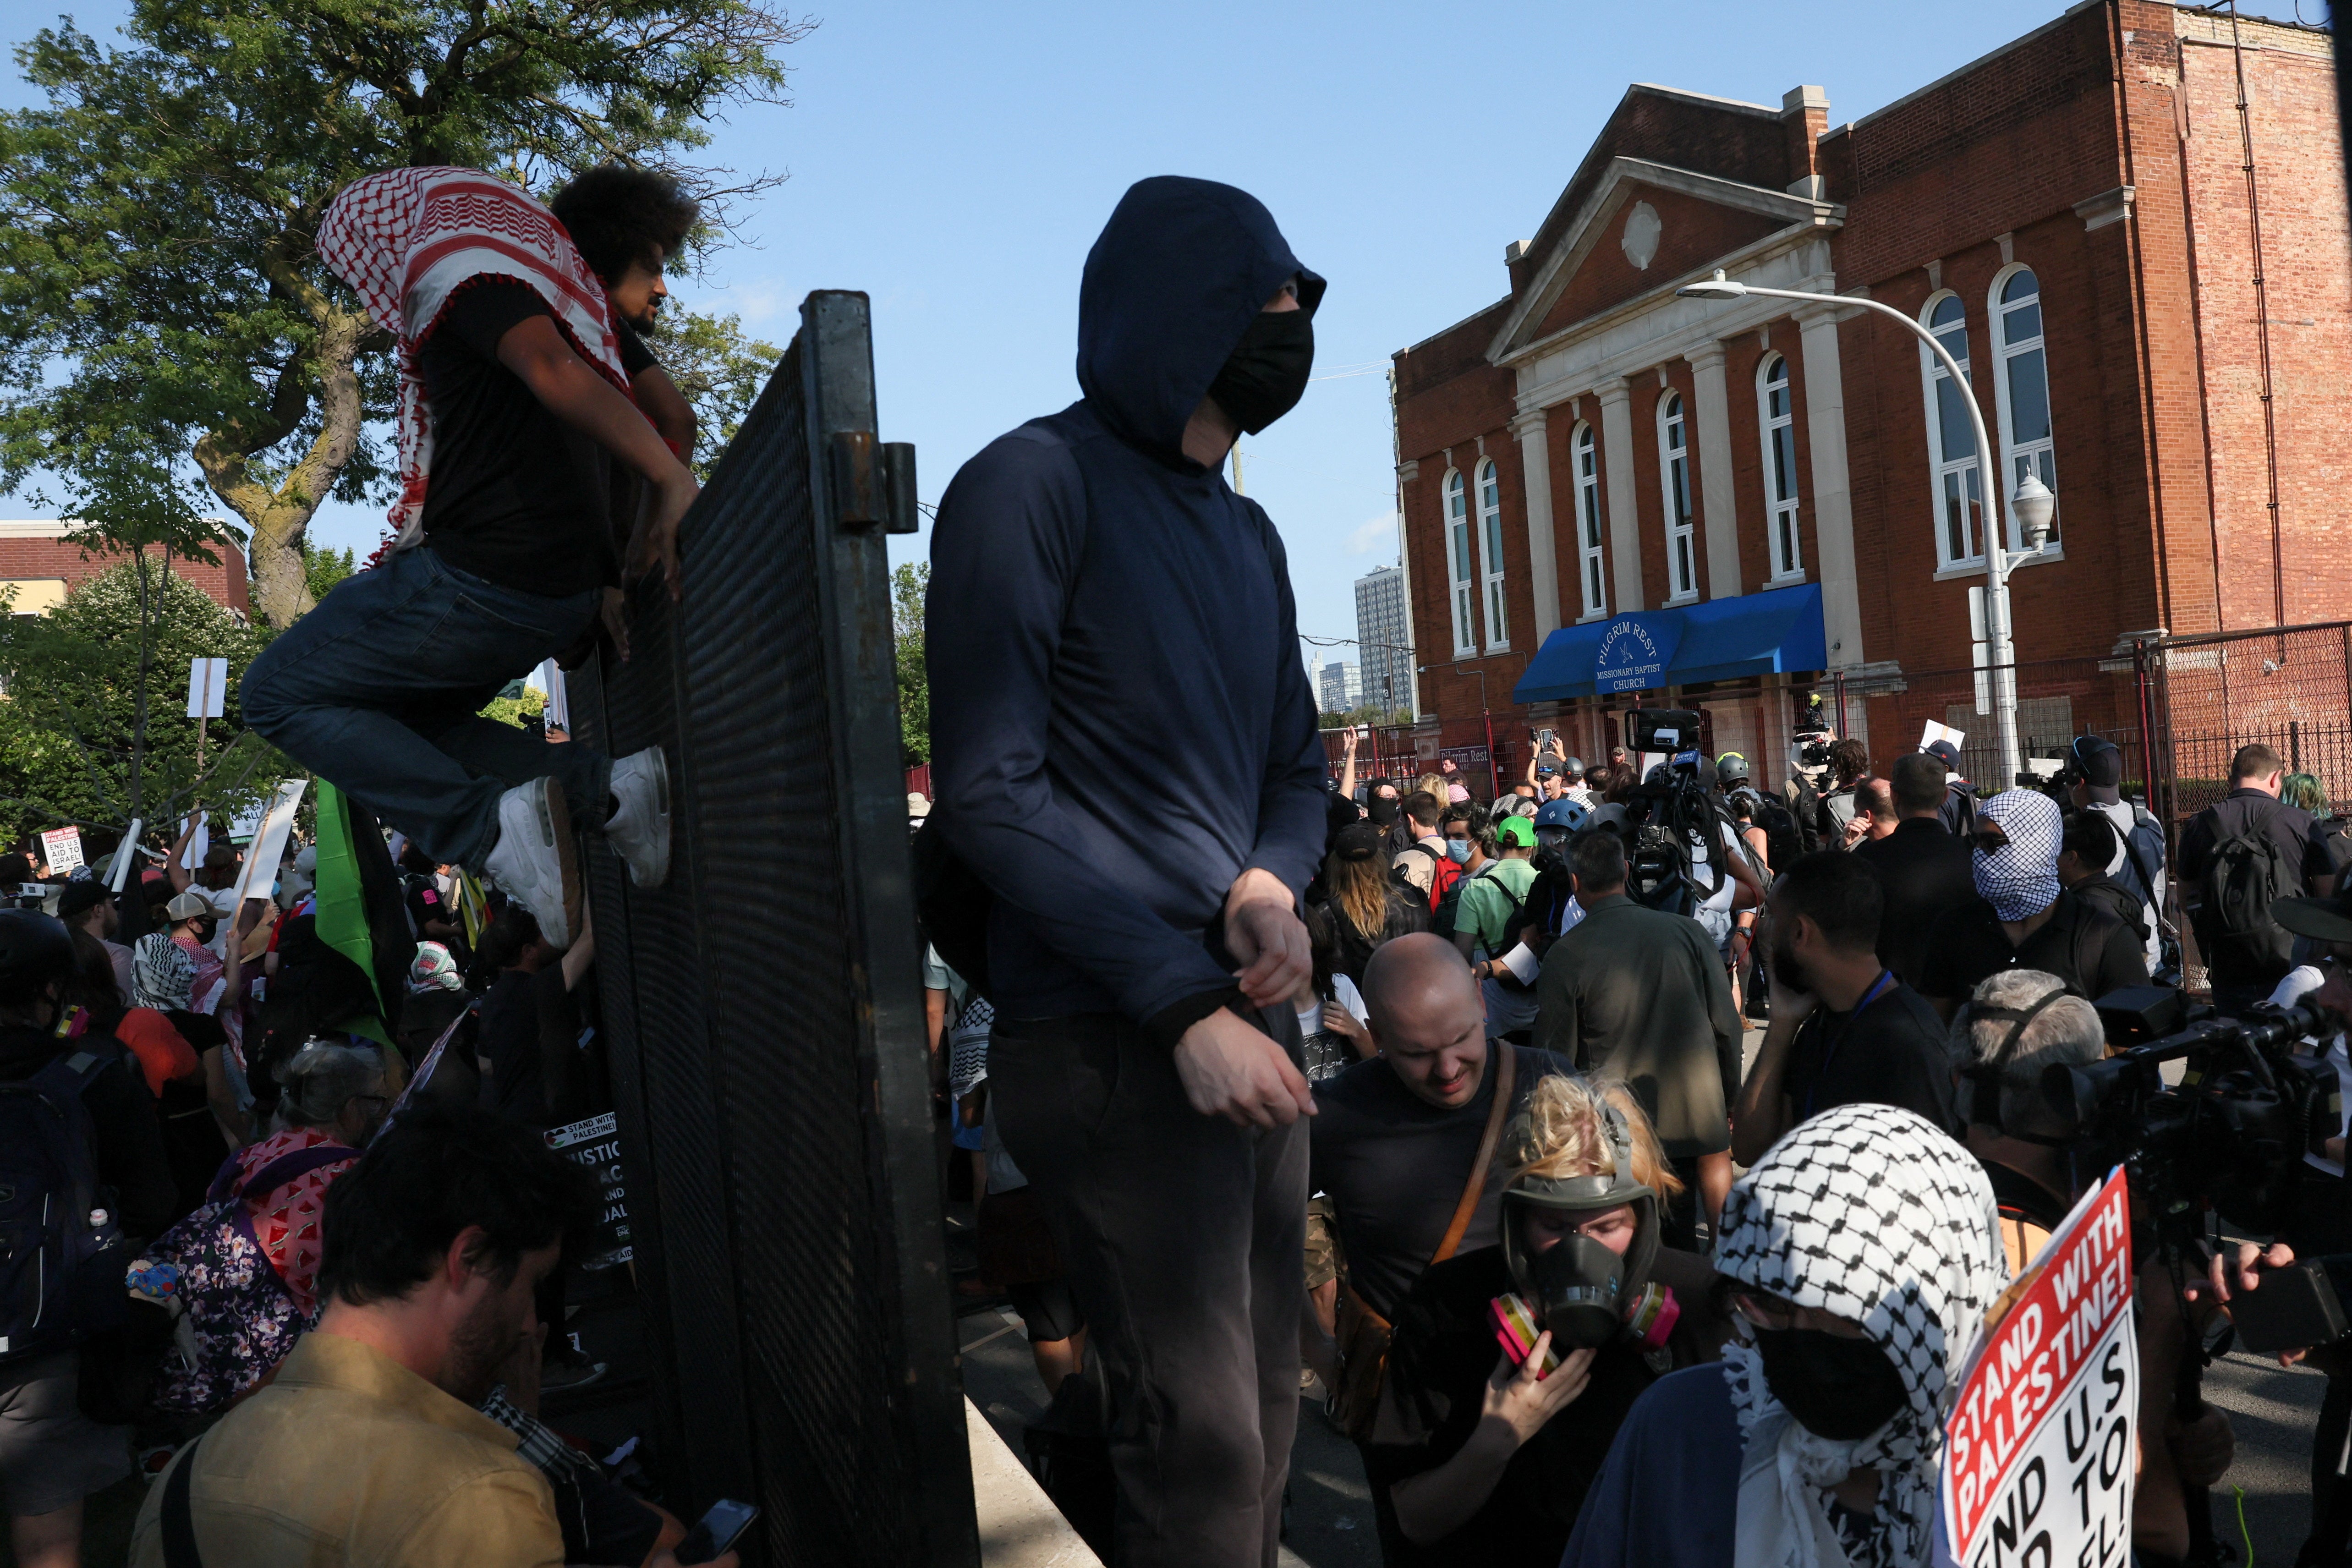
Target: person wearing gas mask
<point>2015,1025</point>
<point>2022,917</point>
<point>1814,1444</point>
<point>1481,1453</point>
<point>1112,641</point>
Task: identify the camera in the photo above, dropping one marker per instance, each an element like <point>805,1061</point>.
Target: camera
<point>2232,1133</point>
<point>26,895</point>
<point>1664,816</point>
<point>2052,773</point>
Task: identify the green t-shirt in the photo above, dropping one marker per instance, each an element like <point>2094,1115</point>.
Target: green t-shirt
<point>1486,908</point>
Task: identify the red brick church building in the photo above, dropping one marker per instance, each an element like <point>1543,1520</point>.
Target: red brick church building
<point>1734,505</point>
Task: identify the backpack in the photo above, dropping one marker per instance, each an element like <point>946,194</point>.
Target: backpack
<point>2119,901</point>
<point>1806,808</point>
<point>1450,909</point>
<point>62,1271</point>
<point>239,1320</point>
<point>1784,842</point>
<point>1443,876</point>
<point>2244,876</point>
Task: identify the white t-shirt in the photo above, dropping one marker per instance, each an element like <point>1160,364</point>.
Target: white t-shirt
<point>2119,811</point>
<point>2301,981</point>
<point>1344,992</point>
<point>1714,912</point>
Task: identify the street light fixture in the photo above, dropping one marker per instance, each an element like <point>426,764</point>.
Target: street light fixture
<point>2033,505</point>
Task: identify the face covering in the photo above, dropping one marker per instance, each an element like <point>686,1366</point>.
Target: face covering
<point>1458,851</point>
<point>1575,1286</point>
<point>2019,879</point>
<point>1266,374</point>
<point>1382,809</point>
<point>1837,1388</point>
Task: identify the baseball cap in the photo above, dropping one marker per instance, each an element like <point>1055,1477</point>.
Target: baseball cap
<point>187,905</point>
<point>2101,761</point>
<point>1945,752</point>
<point>1357,841</point>
<point>1515,830</point>
<point>81,898</point>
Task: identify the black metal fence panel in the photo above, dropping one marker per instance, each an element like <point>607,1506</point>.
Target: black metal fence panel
<point>769,1065</point>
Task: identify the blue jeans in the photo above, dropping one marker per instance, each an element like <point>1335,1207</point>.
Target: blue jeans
<point>379,691</point>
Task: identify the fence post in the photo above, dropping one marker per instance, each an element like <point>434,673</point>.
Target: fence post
<point>2151,781</point>
<point>1837,685</point>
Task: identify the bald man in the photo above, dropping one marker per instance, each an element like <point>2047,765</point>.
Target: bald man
<point>1394,1138</point>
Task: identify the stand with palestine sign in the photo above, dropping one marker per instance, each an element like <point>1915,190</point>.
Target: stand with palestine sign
<point>2038,1451</point>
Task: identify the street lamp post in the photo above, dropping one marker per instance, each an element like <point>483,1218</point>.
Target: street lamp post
<point>2033,504</point>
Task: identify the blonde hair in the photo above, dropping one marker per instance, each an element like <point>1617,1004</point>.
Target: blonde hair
<point>1436,785</point>
<point>1563,1131</point>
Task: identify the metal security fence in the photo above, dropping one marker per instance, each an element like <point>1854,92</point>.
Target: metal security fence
<point>769,1065</point>
<point>2289,688</point>
<point>2057,700</point>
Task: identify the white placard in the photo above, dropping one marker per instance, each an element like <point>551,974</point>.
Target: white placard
<point>558,715</point>
<point>2039,1458</point>
<point>1524,966</point>
<point>1934,733</point>
<point>270,843</point>
<point>207,687</point>
<point>61,847</point>
<point>192,858</point>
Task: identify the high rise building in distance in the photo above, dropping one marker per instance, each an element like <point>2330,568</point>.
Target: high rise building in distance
<point>1384,635</point>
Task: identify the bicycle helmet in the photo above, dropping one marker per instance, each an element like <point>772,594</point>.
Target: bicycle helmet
<point>34,952</point>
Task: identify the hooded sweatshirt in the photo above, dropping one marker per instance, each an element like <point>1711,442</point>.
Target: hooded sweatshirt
<point>1121,721</point>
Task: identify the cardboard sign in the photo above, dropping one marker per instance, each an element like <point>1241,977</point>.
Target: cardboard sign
<point>61,847</point>
<point>275,820</point>
<point>2038,1452</point>
<point>1932,732</point>
<point>596,1144</point>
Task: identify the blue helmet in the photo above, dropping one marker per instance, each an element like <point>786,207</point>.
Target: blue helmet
<point>1569,816</point>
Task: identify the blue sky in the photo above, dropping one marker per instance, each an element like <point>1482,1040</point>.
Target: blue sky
<point>956,160</point>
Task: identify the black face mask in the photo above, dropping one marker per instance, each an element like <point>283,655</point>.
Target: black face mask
<point>1266,374</point>
<point>1383,809</point>
<point>1834,1387</point>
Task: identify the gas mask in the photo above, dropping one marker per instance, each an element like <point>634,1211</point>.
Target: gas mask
<point>1577,1288</point>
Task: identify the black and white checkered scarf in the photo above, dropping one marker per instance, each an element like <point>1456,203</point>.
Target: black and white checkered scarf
<point>1873,1214</point>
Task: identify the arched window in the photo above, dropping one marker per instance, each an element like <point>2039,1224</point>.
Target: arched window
<point>1951,439</point>
<point>2022,392</point>
<point>1490,554</point>
<point>1587,453</point>
<point>1673,479</point>
<point>1777,415</point>
<point>1457,555</point>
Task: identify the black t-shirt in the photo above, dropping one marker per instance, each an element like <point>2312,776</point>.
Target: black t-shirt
<point>1395,1165</point>
<point>515,496</point>
<point>1442,1354</point>
<point>1888,1053</point>
<point>2087,948</point>
<point>509,1037</point>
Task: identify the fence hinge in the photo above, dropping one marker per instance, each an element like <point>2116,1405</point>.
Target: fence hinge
<point>873,481</point>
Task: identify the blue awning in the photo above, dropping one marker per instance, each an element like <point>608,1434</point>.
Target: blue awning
<point>1772,633</point>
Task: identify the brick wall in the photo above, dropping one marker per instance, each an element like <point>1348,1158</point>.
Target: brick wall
<point>38,556</point>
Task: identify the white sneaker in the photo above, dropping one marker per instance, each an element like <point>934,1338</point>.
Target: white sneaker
<point>535,860</point>
<point>639,829</point>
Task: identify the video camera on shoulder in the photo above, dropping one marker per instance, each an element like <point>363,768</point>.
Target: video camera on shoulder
<point>26,895</point>
<point>2231,1132</point>
<point>1661,729</point>
<point>2052,773</point>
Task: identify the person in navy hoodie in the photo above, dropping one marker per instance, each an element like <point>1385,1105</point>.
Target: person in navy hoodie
<point>1125,752</point>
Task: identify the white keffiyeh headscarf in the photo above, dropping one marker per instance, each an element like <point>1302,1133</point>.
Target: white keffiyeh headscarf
<point>162,974</point>
<point>407,239</point>
<point>2021,879</point>
<point>1873,1214</point>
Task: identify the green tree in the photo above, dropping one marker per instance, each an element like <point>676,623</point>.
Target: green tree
<point>908,584</point>
<point>159,278</point>
<point>717,370</point>
<point>322,569</point>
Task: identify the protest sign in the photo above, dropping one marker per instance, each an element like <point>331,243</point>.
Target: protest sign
<point>2038,1452</point>
<point>596,1144</point>
<point>207,687</point>
<point>273,823</point>
<point>61,847</point>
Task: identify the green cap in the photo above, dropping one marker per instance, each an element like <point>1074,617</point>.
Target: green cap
<point>1515,830</point>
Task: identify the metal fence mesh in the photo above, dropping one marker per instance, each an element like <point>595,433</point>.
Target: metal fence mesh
<point>764,1015</point>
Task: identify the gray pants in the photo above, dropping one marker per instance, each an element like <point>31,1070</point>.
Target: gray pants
<point>1181,1236</point>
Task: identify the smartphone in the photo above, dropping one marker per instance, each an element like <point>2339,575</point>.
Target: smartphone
<point>718,1531</point>
<point>2293,1308</point>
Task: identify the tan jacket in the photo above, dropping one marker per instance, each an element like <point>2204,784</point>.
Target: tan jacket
<point>352,1459</point>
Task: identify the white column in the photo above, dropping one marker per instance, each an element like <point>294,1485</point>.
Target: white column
<point>1617,479</point>
<point>1718,515</point>
<point>1535,454</point>
<point>1833,497</point>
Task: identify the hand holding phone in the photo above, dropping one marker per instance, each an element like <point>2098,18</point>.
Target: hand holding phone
<point>717,1532</point>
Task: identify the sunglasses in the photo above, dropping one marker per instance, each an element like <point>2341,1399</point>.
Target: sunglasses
<point>1989,840</point>
<point>1765,1310</point>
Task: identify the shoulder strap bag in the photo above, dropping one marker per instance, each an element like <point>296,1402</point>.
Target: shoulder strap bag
<point>1364,1333</point>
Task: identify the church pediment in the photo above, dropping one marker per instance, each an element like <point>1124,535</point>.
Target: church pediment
<point>1648,224</point>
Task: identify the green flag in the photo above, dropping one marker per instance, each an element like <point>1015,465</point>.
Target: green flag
<point>359,908</point>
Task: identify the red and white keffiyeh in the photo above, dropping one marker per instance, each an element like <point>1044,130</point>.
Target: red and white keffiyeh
<point>407,239</point>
